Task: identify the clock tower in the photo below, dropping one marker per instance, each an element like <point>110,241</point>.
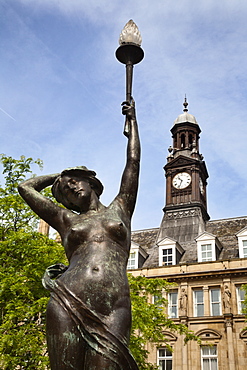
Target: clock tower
<point>185,211</point>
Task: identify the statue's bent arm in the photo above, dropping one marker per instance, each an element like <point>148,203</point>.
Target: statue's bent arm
<point>41,205</point>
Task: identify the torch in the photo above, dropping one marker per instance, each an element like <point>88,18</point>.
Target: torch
<point>129,53</point>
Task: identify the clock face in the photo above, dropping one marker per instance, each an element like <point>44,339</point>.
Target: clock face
<point>181,180</point>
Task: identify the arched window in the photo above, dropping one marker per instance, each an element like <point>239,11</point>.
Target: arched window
<point>190,139</point>
<point>183,141</point>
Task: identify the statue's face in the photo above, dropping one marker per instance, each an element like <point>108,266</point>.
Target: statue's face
<point>76,190</point>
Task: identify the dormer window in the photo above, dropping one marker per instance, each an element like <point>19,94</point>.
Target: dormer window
<point>137,257</point>
<point>242,242</point>
<point>208,247</point>
<point>207,252</point>
<point>170,252</point>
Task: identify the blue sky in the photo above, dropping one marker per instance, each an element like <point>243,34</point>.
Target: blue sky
<point>61,88</point>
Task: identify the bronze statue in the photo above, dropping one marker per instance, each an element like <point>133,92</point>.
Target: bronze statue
<point>89,312</point>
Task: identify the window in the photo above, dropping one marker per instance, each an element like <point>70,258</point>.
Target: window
<point>170,252</point>
<point>209,358</point>
<point>167,256</point>
<point>215,302</point>
<point>164,359</point>
<point>206,252</point>
<point>157,301</point>
<point>198,303</point>
<point>242,242</point>
<point>131,261</point>
<point>173,304</point>
<point>208,247</point>
<point>137,257</point>
<point>240,299</point>
<point>244,248</point>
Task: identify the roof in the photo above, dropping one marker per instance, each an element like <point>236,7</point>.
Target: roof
<point>224,230</point>
<point>185,117</point>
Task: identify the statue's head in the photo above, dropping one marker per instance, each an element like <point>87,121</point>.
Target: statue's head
<point>80,172</point>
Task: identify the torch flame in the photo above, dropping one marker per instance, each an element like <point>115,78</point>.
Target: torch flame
<point>130,34</point>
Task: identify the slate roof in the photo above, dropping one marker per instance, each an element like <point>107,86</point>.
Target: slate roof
<point>224,229</point>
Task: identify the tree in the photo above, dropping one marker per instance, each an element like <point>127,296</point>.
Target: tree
<point>24,256</point>
<point>14,212</point>
<point>148,318</point>
<point>23,300</point>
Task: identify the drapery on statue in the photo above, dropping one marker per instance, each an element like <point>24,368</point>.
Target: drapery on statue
<point>89,312</point>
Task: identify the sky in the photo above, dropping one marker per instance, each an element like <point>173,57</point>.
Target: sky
<point>61,89</point>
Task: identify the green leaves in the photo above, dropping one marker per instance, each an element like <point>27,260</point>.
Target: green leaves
<point>14,212</point>
<point>23,300</point>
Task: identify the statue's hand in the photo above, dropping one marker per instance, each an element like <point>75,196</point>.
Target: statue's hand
<point>128,109</point>
<point>55,271</point>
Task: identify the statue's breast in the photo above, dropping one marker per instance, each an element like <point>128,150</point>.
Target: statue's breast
<point>116,229</point>
<point>100,228</point>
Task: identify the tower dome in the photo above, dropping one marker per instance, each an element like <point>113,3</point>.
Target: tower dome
<point>185,117</point>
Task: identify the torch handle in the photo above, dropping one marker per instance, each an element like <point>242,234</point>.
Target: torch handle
<point>129,79</point>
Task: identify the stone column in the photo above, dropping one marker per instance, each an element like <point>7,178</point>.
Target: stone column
<point>43,228</point>
<point>206,301</point>
<point>230,344</point>
<point>184,320</point>
<point>168,187</point>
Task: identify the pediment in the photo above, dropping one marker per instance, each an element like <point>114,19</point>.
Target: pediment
<point>181,161</point>
<point>167,241</point>
<point>243,335</point>
<point>205,236</point>
<point>208,334</point>
<point>134,245</point>
<point>208,237</point>
<point>170,336</point>
<point>242,232</point>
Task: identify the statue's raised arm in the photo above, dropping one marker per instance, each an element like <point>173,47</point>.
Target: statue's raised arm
<point>130,179</point>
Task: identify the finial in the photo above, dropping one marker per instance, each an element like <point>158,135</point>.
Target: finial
<point>185,104</point>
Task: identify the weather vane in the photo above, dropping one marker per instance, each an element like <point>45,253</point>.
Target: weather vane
<point>129,53</point>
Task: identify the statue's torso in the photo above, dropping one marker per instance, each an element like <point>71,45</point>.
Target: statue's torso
<point>97,245</point>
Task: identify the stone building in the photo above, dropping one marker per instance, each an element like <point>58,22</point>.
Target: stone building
<point>206,259</point>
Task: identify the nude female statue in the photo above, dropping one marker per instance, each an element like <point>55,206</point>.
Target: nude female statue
<point>89,312</point>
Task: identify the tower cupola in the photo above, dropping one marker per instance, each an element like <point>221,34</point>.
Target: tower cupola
<point>185,134</point>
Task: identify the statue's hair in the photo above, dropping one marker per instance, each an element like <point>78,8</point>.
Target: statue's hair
<point>82,172</point>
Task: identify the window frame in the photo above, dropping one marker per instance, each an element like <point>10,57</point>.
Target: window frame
<point>208,239</point>
<point>206,252</point>
<point>171,305</point>
<point>215,302</point>
<point>239,300</point>
<point>135,248</point>
<point>242,237</point>
<point>172,255</point>
<point>196,304</point>
<point>169,243</point>
<point>167,357</point>
<point>209,357</point>
<point>131,266</point>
